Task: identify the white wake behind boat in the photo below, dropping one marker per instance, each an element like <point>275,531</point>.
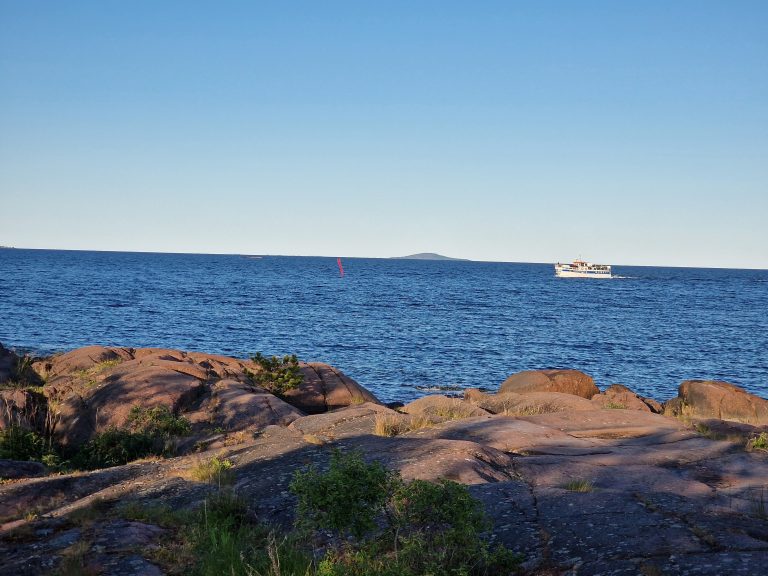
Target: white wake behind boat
<point>581,269</point>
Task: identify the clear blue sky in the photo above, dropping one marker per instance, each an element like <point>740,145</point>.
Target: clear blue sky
<point>624,132</point>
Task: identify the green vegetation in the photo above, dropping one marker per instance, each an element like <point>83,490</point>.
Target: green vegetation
<point>148,434</point>
<point>759,442</point>
<point>158,421</point>
<point>380,526</point>
<point>16,443</point>
<point>278,375</point>
<point>346,499</point>
<point>113,447</point>
<point>579,486</point>
<point>391,527</point>
<point>87,376</point>
<point>214,471</point>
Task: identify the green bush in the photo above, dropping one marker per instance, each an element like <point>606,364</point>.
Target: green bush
<point>158,421</point>
<point>146,434</point>
<point>347,498</point>
<point>278,375</point>
<point>115,446</point>
<point>401,528</point>
<point>16,443</point>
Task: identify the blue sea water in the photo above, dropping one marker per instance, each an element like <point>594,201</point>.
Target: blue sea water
<point>399,327</point>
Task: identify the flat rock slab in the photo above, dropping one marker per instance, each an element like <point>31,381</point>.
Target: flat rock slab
<point>511,435</point>
<point>608,423</point>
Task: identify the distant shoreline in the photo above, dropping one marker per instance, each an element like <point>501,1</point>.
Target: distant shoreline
<point>428,256</point>
<point>343,257</point>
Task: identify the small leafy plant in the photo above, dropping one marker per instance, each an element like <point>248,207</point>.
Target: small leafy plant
<point>278,375</point>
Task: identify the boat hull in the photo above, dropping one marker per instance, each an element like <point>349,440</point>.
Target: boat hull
<point>573,274</point>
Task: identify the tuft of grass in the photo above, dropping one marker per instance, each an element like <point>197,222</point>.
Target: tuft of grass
<point>535,410</point>
<point>214,470</point>
<point>73,561</point>
<point>388,425</point>
<point>158,514</point>
<point>580,485</point>
<point>448,410</point>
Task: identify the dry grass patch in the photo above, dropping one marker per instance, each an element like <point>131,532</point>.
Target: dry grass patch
<point>531,410</point>
<point>388,425</point>
<point>392,425</point>
<point>452,410</point>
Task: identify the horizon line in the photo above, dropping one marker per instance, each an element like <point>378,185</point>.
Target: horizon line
<point>448,259</point>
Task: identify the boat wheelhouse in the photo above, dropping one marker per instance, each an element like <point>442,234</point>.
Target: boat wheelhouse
<point>581,269</point>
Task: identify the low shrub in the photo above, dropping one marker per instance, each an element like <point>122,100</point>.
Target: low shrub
<point>147,434</point>
<point>115,446</point>
<point>398,528</point>
<point>16,443</point>
<point>158,421</point>
<point>347,498</point>
<point>278,375</point>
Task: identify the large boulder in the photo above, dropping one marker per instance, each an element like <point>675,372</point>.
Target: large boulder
<point>618,396</point>
<point>716,399</point>
<point>96,388</point>
<point>564,381</point>
<point>325,388</point>
<point>239,406</point>
<point>81,360</point>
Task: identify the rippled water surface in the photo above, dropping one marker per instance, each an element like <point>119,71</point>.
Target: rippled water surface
<point>399,326</point>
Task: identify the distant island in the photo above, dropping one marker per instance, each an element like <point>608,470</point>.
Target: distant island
<point>426,256</point>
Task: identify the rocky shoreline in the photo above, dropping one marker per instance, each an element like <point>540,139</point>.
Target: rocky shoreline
<point>576,480</point>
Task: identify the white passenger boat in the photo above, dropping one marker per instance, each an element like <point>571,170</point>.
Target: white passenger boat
<point>581,269</point>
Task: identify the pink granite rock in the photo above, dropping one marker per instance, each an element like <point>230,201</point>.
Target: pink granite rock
<point>564,381</point>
